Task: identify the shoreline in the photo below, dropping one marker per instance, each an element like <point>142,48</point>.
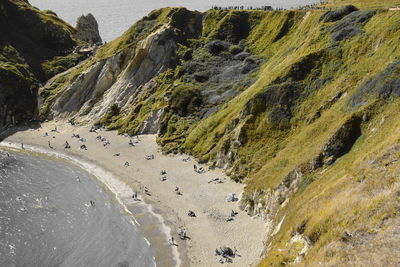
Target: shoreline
<point>160,215</point>
<point>109,180</point>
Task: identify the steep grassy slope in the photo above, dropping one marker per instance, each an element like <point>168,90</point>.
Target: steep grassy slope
<point>363,4</point>
<point>29,40</point>
<point>300,105</point>
<point>299,130</point>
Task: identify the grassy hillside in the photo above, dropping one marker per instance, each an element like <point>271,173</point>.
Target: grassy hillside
<point>32,44</point>
<point>363,4</point>
<point>300,105</point>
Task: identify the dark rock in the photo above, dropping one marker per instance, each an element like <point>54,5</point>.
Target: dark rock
<point>383,85</point>
<point>345,33</point>
<point>342,140</point>
<point>235,49</point>
<point>216,47</point>
<point>349,26</point>
<point>337,14</point>
<point>242,56</point>
<point>201,77</point>
<point>88,29</point>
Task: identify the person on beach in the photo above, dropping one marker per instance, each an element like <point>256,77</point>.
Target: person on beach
<point>182,234</point>
<point>146,191</point>
<point>126,164</point>
<point>66,145</point>
<point>131,143</point>
<point>78,179</point>
<point>22,145</point>
<point>172,241</point>
<point>48,142</point>
<point>91,203</point>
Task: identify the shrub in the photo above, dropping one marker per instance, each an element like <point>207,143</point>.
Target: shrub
<point>337,14</point>
<point>235,49</point>
<point>216,47</point>
<point>185,99</point>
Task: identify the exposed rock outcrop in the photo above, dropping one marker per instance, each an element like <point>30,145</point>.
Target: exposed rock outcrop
<point>114,80</point>
<point>88,29</point>
<point>128,75</point>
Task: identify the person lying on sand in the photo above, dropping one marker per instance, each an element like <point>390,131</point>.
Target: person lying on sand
<point>146,191</point>
<point>182,234</point>
<point>191,213</point>
<point>131,143</point>
<point>66,145</point>
<point>83,147</point>
<point>117,154</point>
<point>171,241</point>
<point>149,157</point>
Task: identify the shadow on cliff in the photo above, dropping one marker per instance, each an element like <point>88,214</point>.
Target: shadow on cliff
<point>9,130</point>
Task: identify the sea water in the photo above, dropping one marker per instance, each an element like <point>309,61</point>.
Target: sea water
<point>116,16</point>
<point>46,218</point>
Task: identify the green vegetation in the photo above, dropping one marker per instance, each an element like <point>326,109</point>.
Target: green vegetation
<point>34,46</point>
<point>301,105</point>
<point>137,32</point>
<point>318,76</point>
<point>61,64</point>
<point>380,4</point>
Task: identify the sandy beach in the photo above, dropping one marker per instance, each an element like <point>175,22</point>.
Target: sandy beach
<point>162,212</point>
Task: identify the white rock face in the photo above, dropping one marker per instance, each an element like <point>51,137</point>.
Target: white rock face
<point>88,29</point>
<point>116,79</point>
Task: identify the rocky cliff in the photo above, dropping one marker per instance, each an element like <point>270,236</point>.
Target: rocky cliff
<point>87,29</point>
<point>301,105</point>
<point>34,45</point>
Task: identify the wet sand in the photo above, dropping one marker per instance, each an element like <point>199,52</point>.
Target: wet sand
<point>163,211</point>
